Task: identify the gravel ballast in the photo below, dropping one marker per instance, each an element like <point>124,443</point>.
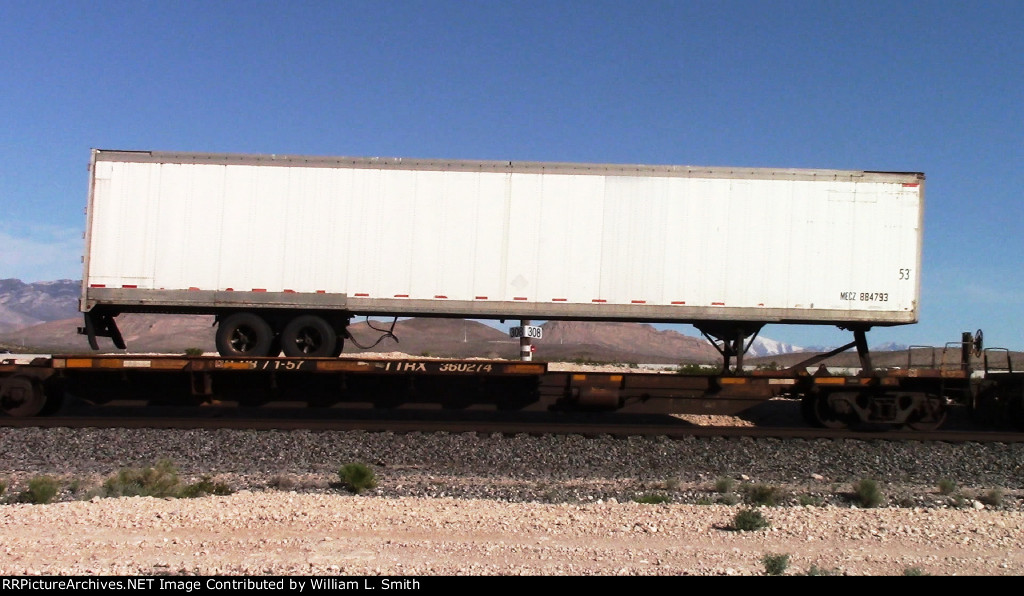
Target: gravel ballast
<point>494,504</point>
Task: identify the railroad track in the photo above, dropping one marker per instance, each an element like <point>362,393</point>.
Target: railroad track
<point>484,422</point>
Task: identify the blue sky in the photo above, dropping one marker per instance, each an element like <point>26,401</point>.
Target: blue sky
<point>934,86</point>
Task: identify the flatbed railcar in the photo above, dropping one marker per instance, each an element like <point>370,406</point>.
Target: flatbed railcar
<point>285,250</point>
<point>916,396</point>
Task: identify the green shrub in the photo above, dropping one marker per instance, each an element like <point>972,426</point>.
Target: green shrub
<point>946,486</point>
<point>41,490</point>
<point>3,487</point>
<point>203,488</point>
<point>697,369</point>
<point>651,499</point>
<point>913,571</point>
<point>281,482</point>
<point>993,498</point>
<point>192,352</point>
<point>749,520</point>
<point>816,571</point>
<point>357,477</point>
<point>867,493</point>
<point>158,481</point>
<point>728,499</point>
<point>775,564</point>
<point>810,501</point>
<point>724,485</point>
<point>762,494</point>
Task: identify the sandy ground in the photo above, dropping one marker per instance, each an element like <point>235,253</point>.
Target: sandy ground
<point>286,533</point>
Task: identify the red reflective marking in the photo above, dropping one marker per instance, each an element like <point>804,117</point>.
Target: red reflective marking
<point>130,286</point>
<point>717,304</point>
<point>558,299</point>
<point>97,285</point>
<point>910,185</point>
<point>255,289</point>
<point>362,295</point>
<point>445,297</point>
<point>229,289</point>
<point>678,302</point>
<point>520,298</point>
<point>289,291</point>
<point>321,291</point>
<point>401,295</point>
<point>598,300</point>
<point>638,301</point>
<point>193,289</point>
<point>481,297</point>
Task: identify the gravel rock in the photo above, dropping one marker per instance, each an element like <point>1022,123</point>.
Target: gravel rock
<point>495,504</point>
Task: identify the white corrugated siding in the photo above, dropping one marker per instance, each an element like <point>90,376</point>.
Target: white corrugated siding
<point>543,237</point>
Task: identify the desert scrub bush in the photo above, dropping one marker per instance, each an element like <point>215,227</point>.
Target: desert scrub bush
<point>775,563</point>
<point>906,502</point>
<point>762,494</point>
<point>728,499</point>
<point>3,488</point>
<point>696,369</point>
<point>672,484</point>
<point>158,481</point>
<point>816,571</point>
<point>867,494</point>
<point>357,477</point>
<point>651,499</point>
<point>946,486</point>
<point>749,520</point>
<point>41,490</point>
<point>204,487</point>
<point>193,352</point>
<point>724,485</point>
<point>913,572</point>
<point>810,501</point>
<point>993,498</point>
<point>959,501</point>
<point>281,482</point>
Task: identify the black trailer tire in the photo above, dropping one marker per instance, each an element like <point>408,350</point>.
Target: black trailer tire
<point>308,336</point>
<point>244,335</point>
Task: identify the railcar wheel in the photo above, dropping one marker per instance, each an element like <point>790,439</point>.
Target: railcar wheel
<point>244,335</point>
<point>822,414</point>
<point>22,397</point>
<point>930,415</point>
<point>308,336</point>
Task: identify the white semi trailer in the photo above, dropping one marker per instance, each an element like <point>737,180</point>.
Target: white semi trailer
<point>285,250</point>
